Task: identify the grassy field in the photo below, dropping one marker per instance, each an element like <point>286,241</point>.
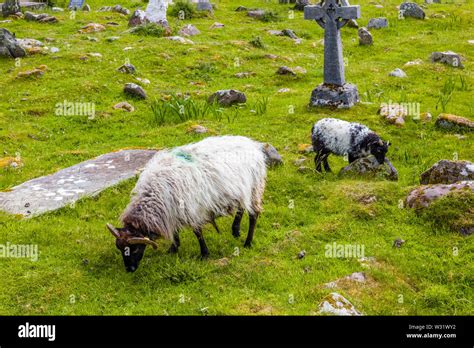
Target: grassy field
<point>79,270</point>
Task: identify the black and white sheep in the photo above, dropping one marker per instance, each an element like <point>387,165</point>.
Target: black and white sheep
<point>339,137</point>
<point>190,186</point>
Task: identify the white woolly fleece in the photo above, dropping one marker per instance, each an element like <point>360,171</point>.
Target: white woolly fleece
<point>338,136</point>
<point>192,184</point>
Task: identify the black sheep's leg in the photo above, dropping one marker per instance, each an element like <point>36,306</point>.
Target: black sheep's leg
<point>202,243</point>
<point>317,161</point>
<point>326,164</point>
<point>174,247</point>
<point>236,223</point>
<point>213,222</point>
<point>352,158</point>
<point>252,223</point>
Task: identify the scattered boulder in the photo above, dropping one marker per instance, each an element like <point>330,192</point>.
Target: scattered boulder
<point>275,32</point>
<point>394,113</point>
<point>448,172</point>
<point>92,28</point>
<point>398,73</point>
<point>138,18</point>
<point>412,9</point>
<point>258,14</point>
<point>453,122</point>
<point>290,33</point>
<point>337,304</point>
<point>217,25</point>
<point>397,243</point>
<point>423,196</point>
<point>127,68</point>
<point>134,90</point>
<point>365,37</point>
<point>189,30</point>
<point>41,18</point>
<point>449,58</point>
<point>116,8</point>
<point>39,71</point>
<point>284,70</point>
<point>272,158</point>
<point>124,106</point>
<point>358,277</point>
<point>9,45</point>
<point>370,167</point>
<point>378,23</point>
<point>227,97</point>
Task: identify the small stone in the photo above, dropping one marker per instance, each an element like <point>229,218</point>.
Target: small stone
<point>54,50</point>
<point>241,9</point>
<point>11,162</point>
<point>449,58</point>
<point>92,28</point>
<point>365,38</point>
<point>394,113</point>
<point>397,243</point>
<point>242,75</point>
<point>258,14</point>
<point>127,68</point>
<point>227,97</point>
<point>411,9</point>
<point>453,122</point>
<point>378,23</point>
<point>217,25</point>
<point>180,39</point>
<point>134,90</point>
<point>57,9</point>
<point>197,129</point>
<point>299,70</point>
<point>112,38</point>
<point>283,90</point>
<point>143,80</point>
<point>290,33</point>
<point>272,157</point>
<point>124,106</point>
<point>223,262</point>
<point>284,70</point>
<point>336,304</point>
<point>414,62</point>
<point>39,71</point>
<point>425,117</point>
<point>189,30</point>
<point>275,32</point>
<point>271,56</point>
<point>299,161</point>
<point>95,55</point>
<point>398,73</point>
<point>86,8</point>
<point>471,42</point>
<point>301,254</point>
<point>370,167</point>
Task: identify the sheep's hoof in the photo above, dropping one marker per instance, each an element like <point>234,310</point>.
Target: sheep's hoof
<point>236,233</point>
<point>204,256</point>
<point>248,245</point>
<point>173,249</point>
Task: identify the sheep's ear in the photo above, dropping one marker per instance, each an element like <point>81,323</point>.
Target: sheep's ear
<point>113,230</point>
<point>387,143</point>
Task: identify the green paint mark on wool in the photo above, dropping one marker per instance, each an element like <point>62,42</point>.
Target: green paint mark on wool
<point>183,155</point>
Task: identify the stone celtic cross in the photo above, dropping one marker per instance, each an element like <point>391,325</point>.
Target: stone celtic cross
<point>331,16</point>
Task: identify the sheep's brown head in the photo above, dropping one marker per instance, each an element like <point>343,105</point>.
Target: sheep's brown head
<point>132,246</point>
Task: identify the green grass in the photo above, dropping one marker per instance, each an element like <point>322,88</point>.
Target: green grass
<point>81,272</point>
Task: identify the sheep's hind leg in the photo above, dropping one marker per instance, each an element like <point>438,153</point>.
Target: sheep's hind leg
<point>202,243</point>
<point>236,223</point>
<point>213,222</point>
<point>174,247</point>
<point>326,164</point>
<point>252,223</point>
<point>317,161</point>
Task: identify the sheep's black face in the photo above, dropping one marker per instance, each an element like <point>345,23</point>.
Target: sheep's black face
<point>132,254</point>
<point>379,150</point>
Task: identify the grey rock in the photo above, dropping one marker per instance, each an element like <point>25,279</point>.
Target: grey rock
<point>358,277</point>
<point>398,73</point>
<point>138,18</point>
<point>112,38</point>
<point>290,33</point>
<point>397,243</point>
<point>116,8</point>
<point>452,122</point>
<point>65,187</point>
<point>369,167</point>
<point>337,304</point>
<point>9,46</point>
<point>134,90</point>
<point>301,254</point>
<point>365,37</point>
<point>258,14</point>
<point>204,5</point>
<point>448,172</point>
<point>241,9</point>
<point>424,195</point>
<point>228,97</point>
<point>284,70</point>
<point>272,157</point>
<point>127,68</point>
<point>334,96</point>
<point>378,23</point>
<point>275,32</point>
<point>412,9</point>
<point>189,30</point>
<point>450,58</point>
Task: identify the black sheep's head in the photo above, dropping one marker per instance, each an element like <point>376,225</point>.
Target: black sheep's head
<point>131,244</point>
<point>379,149</point>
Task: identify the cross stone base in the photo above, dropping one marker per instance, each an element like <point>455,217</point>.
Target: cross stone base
<point>326,95</point>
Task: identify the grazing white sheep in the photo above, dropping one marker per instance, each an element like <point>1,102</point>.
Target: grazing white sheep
<point>339,137</point>
<point>190,186</point>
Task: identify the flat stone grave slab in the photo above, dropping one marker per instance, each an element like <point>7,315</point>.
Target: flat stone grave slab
<point>51,192</point>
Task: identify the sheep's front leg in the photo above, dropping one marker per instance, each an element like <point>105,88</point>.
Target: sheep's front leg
<point>252,223</point>
<point>174,247</point>
<point>326,164</point>
<point>202,243</point>
<point>317,161</point>
<point>236,223</point>
<point>213,222</point>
